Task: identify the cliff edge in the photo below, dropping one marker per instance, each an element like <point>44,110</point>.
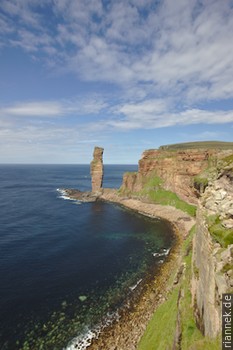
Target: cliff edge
<point>176,167</point>
<point>213,248</point>
<point>192,313</point>
<point>183,185</point>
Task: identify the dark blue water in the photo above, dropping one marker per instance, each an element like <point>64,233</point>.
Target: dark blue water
<point>64,265</point>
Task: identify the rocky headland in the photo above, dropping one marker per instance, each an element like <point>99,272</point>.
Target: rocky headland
<point>193,189</point>
<point>176,168</point>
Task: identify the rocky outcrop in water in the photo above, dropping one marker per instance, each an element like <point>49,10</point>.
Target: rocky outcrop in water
<point>97,170</point>
<point>97,173</point>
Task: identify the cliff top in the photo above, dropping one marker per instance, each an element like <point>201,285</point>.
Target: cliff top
<point>198,145</point>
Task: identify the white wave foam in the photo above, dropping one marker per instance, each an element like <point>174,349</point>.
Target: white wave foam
<point>135,286</point>
<point>63,195</point>
<point>160,261</point>
<point>165,252</point>
<point>82,341</point>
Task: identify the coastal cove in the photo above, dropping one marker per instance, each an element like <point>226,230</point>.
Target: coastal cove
<point>182,306</point>
<point>126,332</point>
<point>125,268</point>
<point>46,249</point>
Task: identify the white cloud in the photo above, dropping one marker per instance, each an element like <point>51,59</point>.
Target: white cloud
<point>149,116</point>
<point>161,55</point>
<point>75,106</point>
<point>47,142</point>
<point>38,109</point>
<point>143,109</point>
<point>180,48</point>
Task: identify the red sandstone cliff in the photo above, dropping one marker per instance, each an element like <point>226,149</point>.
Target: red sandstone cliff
<point>97,170</point>
<point>176,168</point>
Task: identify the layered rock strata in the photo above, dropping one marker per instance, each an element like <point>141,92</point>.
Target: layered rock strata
<point>212,263</point>
<point>212,272</point>
<point>177,169</point>
<point>218,198</point>
<point>209,279</point>
<point>97,170</point>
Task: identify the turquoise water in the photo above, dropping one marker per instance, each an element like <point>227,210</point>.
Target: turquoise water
<point>65,267</point>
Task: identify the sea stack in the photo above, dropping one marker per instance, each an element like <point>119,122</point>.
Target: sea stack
<point>97,170</point>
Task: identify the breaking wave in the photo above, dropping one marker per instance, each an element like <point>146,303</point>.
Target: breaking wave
<point>63,194</point>
<point>82,341</point>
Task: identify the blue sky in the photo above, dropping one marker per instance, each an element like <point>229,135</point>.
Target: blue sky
<point>127,75</point>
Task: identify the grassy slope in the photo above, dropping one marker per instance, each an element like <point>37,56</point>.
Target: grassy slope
<point>154,191</point>
<point>196,145</point>
<point>160,331</point>
<point>165,197</point>
<point>158,335</point>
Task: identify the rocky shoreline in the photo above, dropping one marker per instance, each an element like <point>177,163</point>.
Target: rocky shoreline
<point>126,332</point>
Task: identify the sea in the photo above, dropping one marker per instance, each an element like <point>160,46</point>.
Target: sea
<point>66,267</point>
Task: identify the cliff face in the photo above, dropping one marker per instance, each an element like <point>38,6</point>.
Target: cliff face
<point>212,253</point>
<point>203,177</point>
<point>176,168</point>
<point>97,170</point>
<point>209,279</point>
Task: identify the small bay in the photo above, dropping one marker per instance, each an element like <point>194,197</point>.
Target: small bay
<point>65,266</point>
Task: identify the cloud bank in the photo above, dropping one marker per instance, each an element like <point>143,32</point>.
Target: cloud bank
<point>155,64</point>
<point>183,46</point>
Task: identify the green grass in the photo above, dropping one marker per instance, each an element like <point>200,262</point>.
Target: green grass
<point>197,145</point>
<point>165,197</point>
<point>228,160</point>
<point>206,344</point>
<point>158,335</point>
<point>221,234</point>
<point>160,331</point>
<point>200,183</point>
<point>154,191</point>
<point>154,182</point>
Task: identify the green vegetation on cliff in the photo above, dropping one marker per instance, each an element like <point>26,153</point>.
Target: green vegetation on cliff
<point>173,321</point>
<point>165,197</point>
<point>157,194</point>
<point>226,162</point>
<point>200,183</point>
<point>221,234</point>
<point>162,325</point>
<point>198,145</point>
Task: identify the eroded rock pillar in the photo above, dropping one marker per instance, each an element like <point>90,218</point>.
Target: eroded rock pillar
<point>97,170</point>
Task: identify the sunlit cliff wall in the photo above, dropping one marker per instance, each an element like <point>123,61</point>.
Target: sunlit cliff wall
<point>177,168</point>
